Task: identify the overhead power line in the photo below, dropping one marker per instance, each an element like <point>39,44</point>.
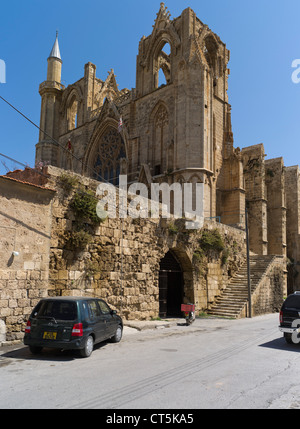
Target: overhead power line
<point>54,140</point>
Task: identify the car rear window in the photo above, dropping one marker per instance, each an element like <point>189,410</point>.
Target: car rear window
<point>59,310</point>
<point>292,301</point>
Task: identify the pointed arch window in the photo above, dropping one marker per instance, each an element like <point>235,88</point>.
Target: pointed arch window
<point>109,154</point>
<point>162,68</point>
<point>72,114</point>
<point>210,49</point>
<point>161,137</point>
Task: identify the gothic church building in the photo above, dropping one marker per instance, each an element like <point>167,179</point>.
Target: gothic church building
<point>176,127</point>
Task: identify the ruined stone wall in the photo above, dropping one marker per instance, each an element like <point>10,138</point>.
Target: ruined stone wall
<point>266,201</point>
<point>254,179</point>
<point>276,214</point>
<point>293,228</point>
<point>271,290</point>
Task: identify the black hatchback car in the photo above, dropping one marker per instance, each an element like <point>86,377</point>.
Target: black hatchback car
<point>72,323</point>
<point>289,318</point>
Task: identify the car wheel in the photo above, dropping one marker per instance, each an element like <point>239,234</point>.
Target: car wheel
<point>118,335</point>
<point>35,350</point>
<point>288,338</point>
<point>88,347</point>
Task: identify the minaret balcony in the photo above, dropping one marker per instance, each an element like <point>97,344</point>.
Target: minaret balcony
<point>50,85</point>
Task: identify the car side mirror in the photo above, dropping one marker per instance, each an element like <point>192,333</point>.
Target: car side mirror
<point>113,312</point>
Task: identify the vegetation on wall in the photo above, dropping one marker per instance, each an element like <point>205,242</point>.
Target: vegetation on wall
<point>84,205</point>
<point>82,202</point>
<point>211,244</point>
<point>67,183</point>
<point>211,241</point>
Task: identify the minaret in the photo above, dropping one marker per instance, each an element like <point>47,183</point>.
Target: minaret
<point>51,92</point>
<point>54,63</point>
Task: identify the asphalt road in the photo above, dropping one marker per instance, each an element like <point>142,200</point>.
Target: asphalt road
<point>215,363</point>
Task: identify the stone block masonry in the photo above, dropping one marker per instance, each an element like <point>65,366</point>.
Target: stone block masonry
<point>267,298</point>
<point>25,231</point>
<point>122,262</point>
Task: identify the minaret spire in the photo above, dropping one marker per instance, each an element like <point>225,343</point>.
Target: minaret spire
<point>54,63</point>
<point>55,52</point>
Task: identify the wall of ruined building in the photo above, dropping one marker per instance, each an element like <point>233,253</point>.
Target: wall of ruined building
<point>293,228</point>
<point>25,227</point>
<point>276,206</point>
<point>231,197</point>
<point>266,201</point>
<point>254,182</point>
<point>271,290</point>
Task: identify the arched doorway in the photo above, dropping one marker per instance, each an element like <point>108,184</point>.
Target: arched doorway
<point>170,286</point>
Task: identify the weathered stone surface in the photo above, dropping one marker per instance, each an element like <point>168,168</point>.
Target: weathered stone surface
<point>2,332</point>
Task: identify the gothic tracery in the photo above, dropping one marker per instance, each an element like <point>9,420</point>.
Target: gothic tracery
<point>109,153</point>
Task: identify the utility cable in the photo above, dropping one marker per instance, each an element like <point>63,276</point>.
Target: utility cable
<point>55,141</point>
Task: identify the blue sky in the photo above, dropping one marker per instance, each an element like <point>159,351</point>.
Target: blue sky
<point>262,35</point>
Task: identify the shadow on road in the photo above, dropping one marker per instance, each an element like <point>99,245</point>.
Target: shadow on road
<point>47,354</point>
<point>281,344</point>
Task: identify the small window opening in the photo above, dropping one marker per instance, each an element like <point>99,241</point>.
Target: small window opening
<point>157,170</point>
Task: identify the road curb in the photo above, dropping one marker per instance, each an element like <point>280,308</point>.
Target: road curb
<point>152,324</point>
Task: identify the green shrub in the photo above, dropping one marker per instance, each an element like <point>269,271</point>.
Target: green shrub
<point>67,182</point>
<point>211,241</point>
<point>84,205</point>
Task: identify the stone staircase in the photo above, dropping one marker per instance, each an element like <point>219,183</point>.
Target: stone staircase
<point>232,300</point>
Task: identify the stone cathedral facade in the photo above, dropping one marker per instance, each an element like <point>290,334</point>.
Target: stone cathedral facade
<point>175,131</point>
<point>176,127</point>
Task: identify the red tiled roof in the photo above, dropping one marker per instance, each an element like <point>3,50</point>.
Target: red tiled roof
<point>26,183</point>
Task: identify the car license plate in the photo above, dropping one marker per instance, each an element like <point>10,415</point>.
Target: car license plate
<point>49,335</point>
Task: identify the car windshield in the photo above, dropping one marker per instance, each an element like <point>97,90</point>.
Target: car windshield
<point>57,310</point>
<point>292,301</point>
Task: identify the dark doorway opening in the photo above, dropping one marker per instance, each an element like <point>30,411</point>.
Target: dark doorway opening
<point>170,287</point>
